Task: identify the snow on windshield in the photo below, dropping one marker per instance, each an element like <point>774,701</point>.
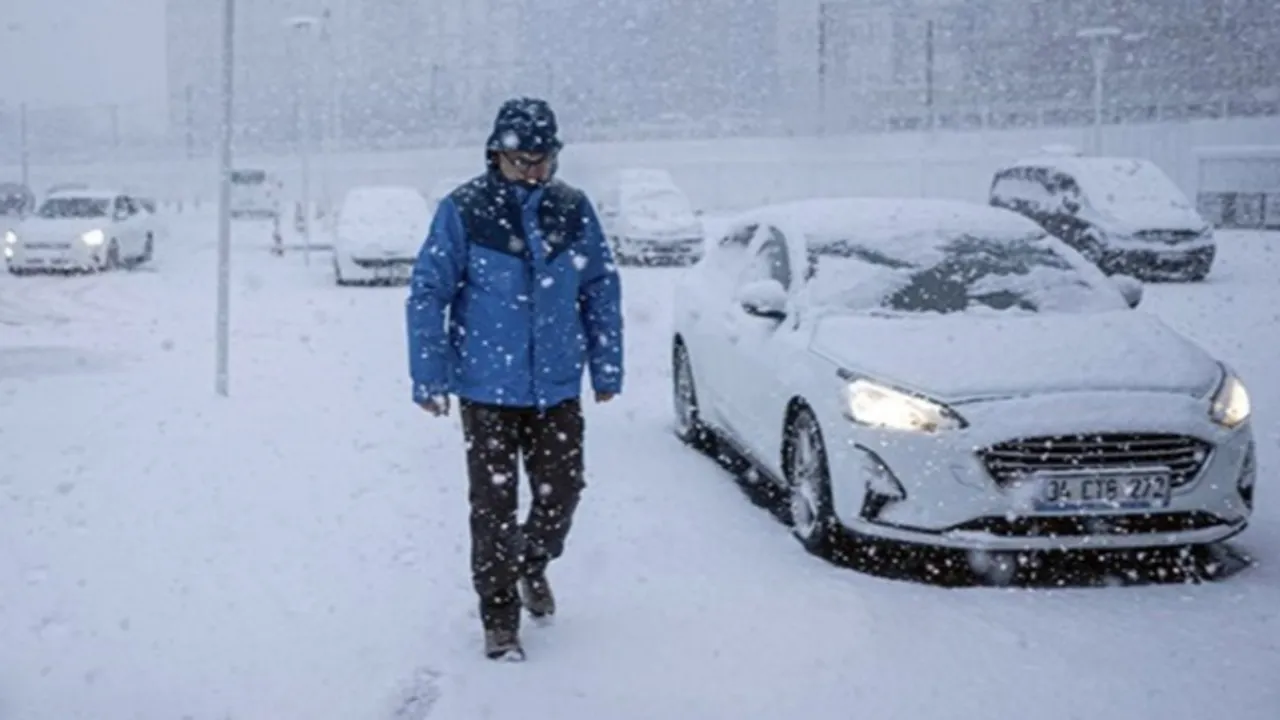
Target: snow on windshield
<point>658,203</point>
<point>75,207</point>
<point>1127,183</point>
<point>956,274</point>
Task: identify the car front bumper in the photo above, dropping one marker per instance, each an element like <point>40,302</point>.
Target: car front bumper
<point>688,249</point>
<point>954,499</point>
<point>53,255</point>
<point>1159,263</point>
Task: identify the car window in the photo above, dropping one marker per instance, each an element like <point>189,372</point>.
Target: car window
<point>957,274</point>
<point>74,207</point>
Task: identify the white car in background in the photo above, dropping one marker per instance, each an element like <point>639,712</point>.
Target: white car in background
<point>255,194</point>
<point>648,219</point>
<point>946,374</point>
<point>82,230</point>
<point>378,233</point>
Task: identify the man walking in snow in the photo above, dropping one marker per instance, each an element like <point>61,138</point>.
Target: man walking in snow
<point>513,295</point>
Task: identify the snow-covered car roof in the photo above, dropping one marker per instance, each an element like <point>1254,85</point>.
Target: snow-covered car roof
<point>875,220</point>
<point>1125,178</point>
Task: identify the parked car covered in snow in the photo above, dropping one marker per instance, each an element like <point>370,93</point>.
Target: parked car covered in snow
<point>378,233</point>
<point>948,374</point>
<point>1124,214</point>
<point>81,230</point>
<point>255,194</point>
<point>648,219</point>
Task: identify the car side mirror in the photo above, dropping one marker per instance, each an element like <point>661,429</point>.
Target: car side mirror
<point>1130,288</point>
<point>764,299</point>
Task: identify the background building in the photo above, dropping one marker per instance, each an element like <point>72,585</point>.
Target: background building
<point>851,64</point>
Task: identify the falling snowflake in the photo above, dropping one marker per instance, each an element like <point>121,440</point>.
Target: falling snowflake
<point>499,479</point>
<point>547,282</point>
<point>580,262</point>
<point>544,490</point>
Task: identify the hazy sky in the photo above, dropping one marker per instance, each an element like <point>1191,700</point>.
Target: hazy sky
<point>83,52</point>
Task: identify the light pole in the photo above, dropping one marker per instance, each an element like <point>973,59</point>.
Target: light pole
<point>1101,40</point>
<point>303,24</point>
<point>24,152</point>
<point>224,201</point>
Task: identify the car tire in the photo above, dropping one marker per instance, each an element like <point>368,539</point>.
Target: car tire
<point>808,476</point>
<point>688,425</point>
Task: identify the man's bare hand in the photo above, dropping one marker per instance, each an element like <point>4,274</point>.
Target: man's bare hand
<point>438,405</point>
<point>604,397</point>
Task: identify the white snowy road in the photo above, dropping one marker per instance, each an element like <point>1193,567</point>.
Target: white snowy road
<point>300,550</point>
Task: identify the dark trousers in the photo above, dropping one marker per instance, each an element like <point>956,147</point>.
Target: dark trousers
<point>503,550</point>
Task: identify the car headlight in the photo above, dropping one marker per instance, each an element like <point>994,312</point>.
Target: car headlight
<point>875,405</point>
<point>10,237</point>
<point>1231,407</point>
<point>94,238</point>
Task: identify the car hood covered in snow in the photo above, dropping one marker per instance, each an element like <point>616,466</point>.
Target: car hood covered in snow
<point>958,357</point>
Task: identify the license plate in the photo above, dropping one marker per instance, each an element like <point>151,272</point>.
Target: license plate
<point>1076,493</point>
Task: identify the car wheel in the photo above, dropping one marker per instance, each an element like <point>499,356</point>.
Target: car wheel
<point>689,426</point>
<point>148,249</point>
<point>804,461</point>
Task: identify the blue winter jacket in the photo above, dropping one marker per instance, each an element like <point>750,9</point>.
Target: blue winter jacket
<point>514,292</point>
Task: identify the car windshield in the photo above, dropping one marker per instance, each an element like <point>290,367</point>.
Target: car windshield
<point>75,207</point>
<point>1126,183</point>
<point>956,274</point>
<point>659,203</point>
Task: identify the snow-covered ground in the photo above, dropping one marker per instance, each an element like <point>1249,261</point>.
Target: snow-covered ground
<point>300,549</point>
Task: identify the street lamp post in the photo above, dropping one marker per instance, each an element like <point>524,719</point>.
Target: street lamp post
<point>303,24</point>
<point>1099,39</point>
<point>224,202</point>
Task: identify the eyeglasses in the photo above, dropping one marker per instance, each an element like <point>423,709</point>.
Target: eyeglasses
<point>525,163</point>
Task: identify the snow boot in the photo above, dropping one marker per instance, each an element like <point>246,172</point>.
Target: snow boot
<point>535,593</point>
<point>503,645</point>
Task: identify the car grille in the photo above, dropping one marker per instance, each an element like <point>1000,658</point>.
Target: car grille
<point>1167,237</point>
<point>1069,526</point>
<point>1011,461</point>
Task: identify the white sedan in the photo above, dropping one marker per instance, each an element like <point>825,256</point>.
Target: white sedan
<point>378,234</point>
<point>946,374</point>
<point>82,230</point>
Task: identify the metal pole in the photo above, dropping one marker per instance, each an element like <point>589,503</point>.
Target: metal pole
<point>305,151</point>
<point>822,68</point>
<point>1099,68</point>
<point>928,71</point>
<point>24,151</point>
<point>191,122</point>
<point>224,201</point>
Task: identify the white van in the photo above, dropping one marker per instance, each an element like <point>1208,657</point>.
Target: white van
<point>254,194</point>
<point>648,219</point>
